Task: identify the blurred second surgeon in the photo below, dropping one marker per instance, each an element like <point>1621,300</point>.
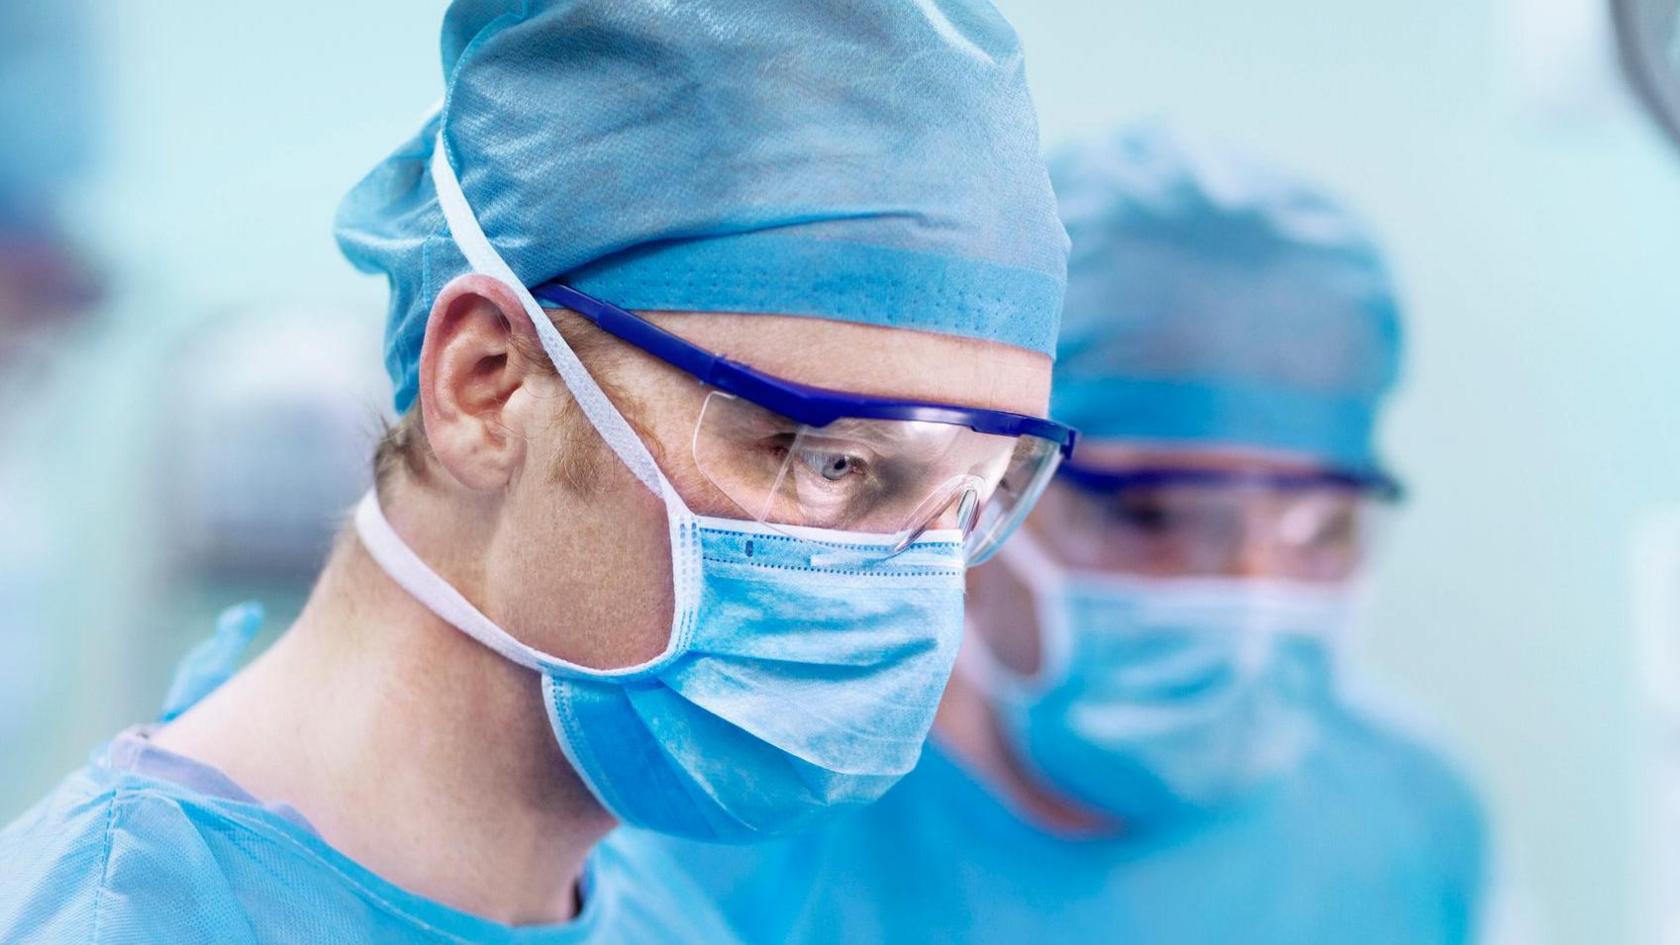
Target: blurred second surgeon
<point>1148,740</point>
<point>721,334</point>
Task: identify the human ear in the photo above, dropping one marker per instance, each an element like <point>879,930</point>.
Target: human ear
<point>471,369</point>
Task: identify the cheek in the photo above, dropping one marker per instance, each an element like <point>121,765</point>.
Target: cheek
<point>586,576</point>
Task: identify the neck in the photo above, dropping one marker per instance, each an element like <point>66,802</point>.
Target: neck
<point>968,726</point>
<point>414,750</point>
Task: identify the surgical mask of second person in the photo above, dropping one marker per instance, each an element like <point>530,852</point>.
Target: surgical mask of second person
<point>1187,627</point>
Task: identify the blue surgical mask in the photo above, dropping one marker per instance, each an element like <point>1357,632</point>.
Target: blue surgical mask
<point>794,682</point>
<point>802,672</point>
<point>1161,697</point>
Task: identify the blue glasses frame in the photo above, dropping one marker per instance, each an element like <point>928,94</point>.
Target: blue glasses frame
<point>1105,481</point>
<point>803,403</point>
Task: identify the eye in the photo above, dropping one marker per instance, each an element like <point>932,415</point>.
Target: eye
<point>830,464</point>
<point>1141,513</point>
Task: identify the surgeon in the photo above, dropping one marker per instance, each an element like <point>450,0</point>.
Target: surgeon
<point>1150,738</point>
<point>720,336</point>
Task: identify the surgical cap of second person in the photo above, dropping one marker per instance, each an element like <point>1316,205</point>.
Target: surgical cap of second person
<point>1214,301</point>
<point>871,161</point>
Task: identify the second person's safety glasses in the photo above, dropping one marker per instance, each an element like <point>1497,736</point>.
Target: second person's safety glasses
<point>1311,525</point>
<point>799,458</point>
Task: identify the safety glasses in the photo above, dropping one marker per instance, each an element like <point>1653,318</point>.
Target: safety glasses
<point>1306,526</point>
<point>797,458</point>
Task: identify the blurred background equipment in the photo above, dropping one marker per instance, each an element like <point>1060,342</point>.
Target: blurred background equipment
<point>46,145</point>
<point>271,429</point>
<point>1648,35</point>
<point>45,58</point>
<point>264,427</point>
<point>47,291</point>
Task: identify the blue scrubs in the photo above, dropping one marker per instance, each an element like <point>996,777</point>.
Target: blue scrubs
<point>146,846</point>
<point>1376,841</point>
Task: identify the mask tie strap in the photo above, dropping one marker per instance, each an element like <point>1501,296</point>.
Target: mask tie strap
<point>483,258</point>
<point>1027,560</point>
<point>1046,582</point>
<point>979,665</point>
<point>398,560</point>
<point>608,422</point>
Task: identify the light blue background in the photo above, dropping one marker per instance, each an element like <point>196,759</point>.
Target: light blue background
<point>1539,247</point>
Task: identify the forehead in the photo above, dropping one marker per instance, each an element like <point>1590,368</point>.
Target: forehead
<point>872,359</point>
<point>1122,455</point>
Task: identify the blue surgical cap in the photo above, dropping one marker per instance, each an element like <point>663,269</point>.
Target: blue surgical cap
<point>872,161</point>
<point>1213,301</point>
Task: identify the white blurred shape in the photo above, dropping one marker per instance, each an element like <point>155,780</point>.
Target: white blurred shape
<point>272,418</point>
<point>1564,62</point>
<point>1656,589</point>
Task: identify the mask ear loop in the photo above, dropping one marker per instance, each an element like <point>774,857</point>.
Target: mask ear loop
<point>1046,582</point>
<point>603,416</point>
<point>482,257</point>
<point>414,575</point>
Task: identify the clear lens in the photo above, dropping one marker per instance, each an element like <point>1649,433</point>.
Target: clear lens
<point>890,478</point>
<point>1323,534</point>
<point>1031,466</point>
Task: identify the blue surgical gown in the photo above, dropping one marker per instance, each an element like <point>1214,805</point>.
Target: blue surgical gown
<point>1376,841</point>
<point>145,846</point>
